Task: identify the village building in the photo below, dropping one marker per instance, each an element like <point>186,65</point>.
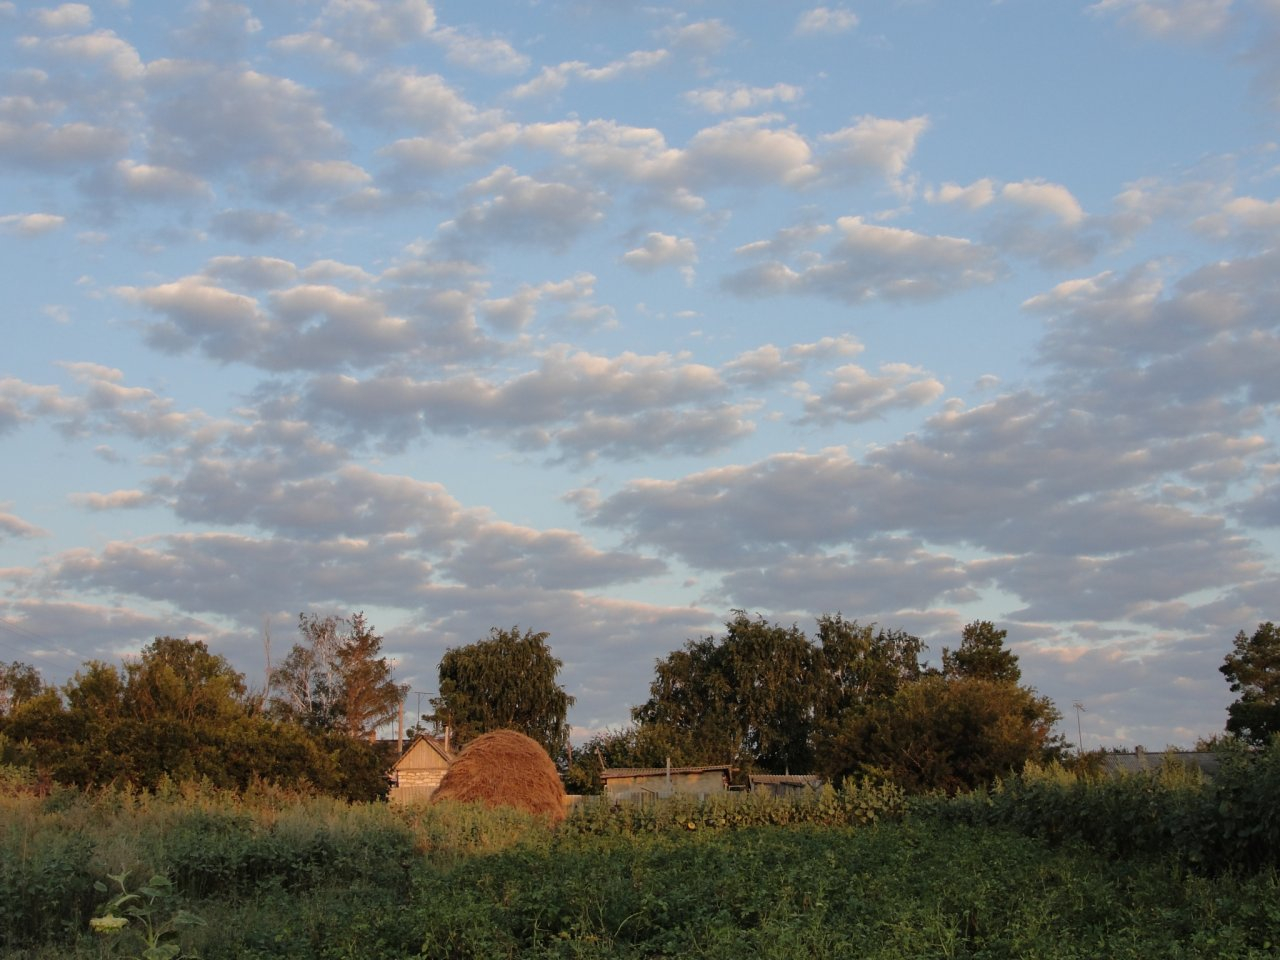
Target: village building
<point>638,784</point>
<point>782,784</point>
<point>421,767</point>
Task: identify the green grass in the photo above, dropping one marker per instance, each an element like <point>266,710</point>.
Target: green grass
<point>290,876</point>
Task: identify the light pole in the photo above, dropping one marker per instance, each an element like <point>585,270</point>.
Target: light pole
<point>1079,730</point>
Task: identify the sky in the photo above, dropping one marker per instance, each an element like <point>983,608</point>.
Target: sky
<point>606,319</point>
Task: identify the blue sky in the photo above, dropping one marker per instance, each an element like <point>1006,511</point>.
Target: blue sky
<point>606,319</point>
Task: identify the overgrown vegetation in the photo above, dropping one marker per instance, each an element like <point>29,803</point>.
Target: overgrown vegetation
<point>1045,865</point>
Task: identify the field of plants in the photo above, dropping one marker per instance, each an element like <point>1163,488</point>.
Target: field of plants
<point>1047,865</point>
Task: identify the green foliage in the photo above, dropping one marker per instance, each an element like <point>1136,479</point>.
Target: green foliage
<point>859,701</point>
<point>146,914</point>
<point>982,655</point>
<point>940,734</point>
<point>19,682</point>
<point>335,680</point>
<point>859,871</point>
<point>1253,671</point>
<point>505,682</point>
<point>1227,823</point>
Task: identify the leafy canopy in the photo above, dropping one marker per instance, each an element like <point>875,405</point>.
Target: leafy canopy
<point>507,681</point>
<point>1253,671</point>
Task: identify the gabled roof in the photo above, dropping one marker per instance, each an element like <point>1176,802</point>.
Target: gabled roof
<point>431,743</point>
<point>609,773</point>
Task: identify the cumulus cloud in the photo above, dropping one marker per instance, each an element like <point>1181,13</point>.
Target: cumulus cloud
<point>872,146</point>
<point>370,26</point>
<point>661,250</point>
<point>738,97</point>
<point>700,39</point>
<point>973,197</point>
<point>854,395</point>
<point>64,18</point>
<point>552,80</point>
<point>1190,19</point>
<point>870,262</point>
<point>825,20</point>
<point>519,209</point>
<point>12,526</point>
<point>208,119</point>
<point>486,54</point>
<point>31,224</point>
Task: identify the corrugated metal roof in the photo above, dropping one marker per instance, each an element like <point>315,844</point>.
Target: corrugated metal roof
<point>790,779</point>
<point>609,773</point>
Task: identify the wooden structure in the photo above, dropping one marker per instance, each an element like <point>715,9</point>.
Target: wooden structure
<point>782,784</point>
<point>415,776</point>
<point>638,784</point>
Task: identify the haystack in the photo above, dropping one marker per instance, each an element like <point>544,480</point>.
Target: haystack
<point>505,768</point>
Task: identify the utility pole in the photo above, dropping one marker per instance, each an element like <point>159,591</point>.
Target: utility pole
<point>1079,730</point>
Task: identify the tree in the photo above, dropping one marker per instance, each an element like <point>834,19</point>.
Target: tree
<point>504,682</point>
<point>747,698</point>
<point>1253,671</point>
<point>336,680</point>
<point>863,665</point>
<point>19,682</point>
<point>943,734</point>
<point>982,655</point>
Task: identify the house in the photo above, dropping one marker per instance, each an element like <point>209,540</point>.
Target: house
<point>415,776</point>
<point>782,784</point>
<point>650,783</point>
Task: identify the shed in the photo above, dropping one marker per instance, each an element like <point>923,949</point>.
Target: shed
<point>650,783</point>
<point>782,784</point>
<point>415,776</point>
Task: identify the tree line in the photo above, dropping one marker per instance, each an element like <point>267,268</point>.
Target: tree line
<point>852,700</point>
<point>181,712</point>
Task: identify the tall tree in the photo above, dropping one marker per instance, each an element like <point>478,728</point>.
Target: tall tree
<point>336,679</point>
<point>19,682</point>
<point>863,665</point>
<point>747,698</point>
<point>982,655</point>
<point>507,681</point>
<point>1253,671</point>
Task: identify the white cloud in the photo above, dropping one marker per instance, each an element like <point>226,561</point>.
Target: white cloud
<point>973,197</point>
<point>875,145</point>
<point>1190,19</point>
<point>67,17</point>
<point>703,38</point>
<point>377,25</point>
<point>209,119</point>
<point>12,526</point>
<point>31,224</point>
<point>521,210</point>
<point>660,250</point>
<point>552,80</point>
<point>320,47</point>
<point>826,20</point>
<point>115,500</point>
<point>153,182</point>
<point>855,396</point>
<point>738,97</point>
<point>1042,196</point>
<point>870,262</point>
<point>492,55</point>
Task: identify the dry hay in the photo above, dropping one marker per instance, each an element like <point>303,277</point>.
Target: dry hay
<point>505,768</point>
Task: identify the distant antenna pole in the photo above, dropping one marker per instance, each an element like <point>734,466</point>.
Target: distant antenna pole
<point>1079,729</point>
<point>266,643</point>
